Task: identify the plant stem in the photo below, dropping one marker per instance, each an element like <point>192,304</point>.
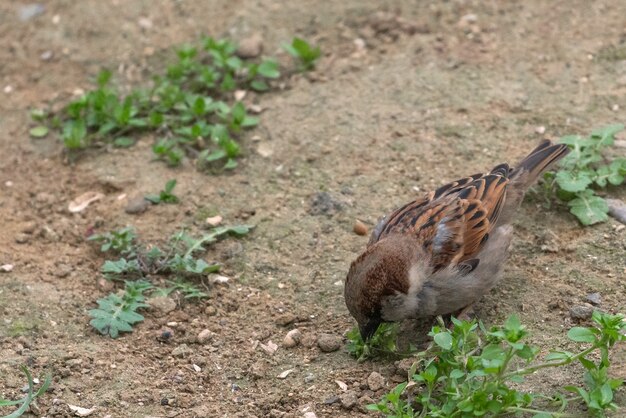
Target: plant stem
<point>537,411</point>
<point>534,368</point>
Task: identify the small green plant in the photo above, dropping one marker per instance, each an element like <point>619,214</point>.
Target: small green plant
<point>470,370</point>
<point>121,241</point>
<point>190,107</point>
<point>187,289</point>
<point>165,195</point>
<point>381,345</point>
<point>116,313</point>
<point>30,397</point>
<point>177,261</point>
<point>304,53</point>
<point>584,169</point>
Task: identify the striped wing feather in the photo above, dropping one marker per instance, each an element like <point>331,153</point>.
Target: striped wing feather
<point>455,220</point>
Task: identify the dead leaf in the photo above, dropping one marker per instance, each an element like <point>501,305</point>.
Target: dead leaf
<point>217,278</point>
<point>342,385</point>
<point>81,202</point>
<point>284,374</point>
<point>270,348</point>
<point>255,109</point>
<point>80,411</point>
<point>264,150</point>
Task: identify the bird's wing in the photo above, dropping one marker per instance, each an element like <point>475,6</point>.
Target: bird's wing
<point>454,221</point>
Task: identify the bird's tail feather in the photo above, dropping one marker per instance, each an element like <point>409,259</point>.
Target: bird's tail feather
<point>539,160</point>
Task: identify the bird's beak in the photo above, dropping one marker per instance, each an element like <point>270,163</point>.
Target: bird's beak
<point>368,329</point>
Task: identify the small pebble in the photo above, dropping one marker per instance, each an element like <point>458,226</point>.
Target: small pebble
<point>617,209</point>
<point>29,227</point>
<point>210,310</point>
<point>214,220</point>
<point>181,351</point>
<point>581,312</point>
<point>5,268</point>
<point>375,381</point>
<point>309,414</point>
<point>309,378</point>
<point>292,338</point>
<point>164,334</point>
<point>594,298</point>
<point>250,47</point>
<point>137,204</point>
<point>359,228</point>
<point>285,319</point>
<point>21,238</point>
<point>205,336</point>
<point>348,399</point>
<point>329,342</point>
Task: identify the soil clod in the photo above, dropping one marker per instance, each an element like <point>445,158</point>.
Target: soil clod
<point>329,342</point>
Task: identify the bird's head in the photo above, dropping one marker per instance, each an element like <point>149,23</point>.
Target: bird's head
<point>375,279</point>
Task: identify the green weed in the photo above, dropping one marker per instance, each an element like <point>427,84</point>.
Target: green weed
<point>121,241</point>
<point>137,263</point>
<point>189,107</point>
<point>116,313</point>
<point>165,195</point>
<point>383,343</point>
<point>30,397</point>
<point>473,371</point>
<point>585,169</point>
<point>304,53</point>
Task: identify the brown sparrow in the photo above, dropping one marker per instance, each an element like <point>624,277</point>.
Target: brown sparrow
<point>440,253</point>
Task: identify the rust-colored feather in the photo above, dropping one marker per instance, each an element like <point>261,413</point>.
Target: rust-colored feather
<point>454,221</point>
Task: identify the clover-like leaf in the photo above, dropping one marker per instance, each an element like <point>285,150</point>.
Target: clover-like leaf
<point>589,208</point>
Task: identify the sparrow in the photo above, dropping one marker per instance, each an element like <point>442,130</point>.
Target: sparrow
<point>443,251</point>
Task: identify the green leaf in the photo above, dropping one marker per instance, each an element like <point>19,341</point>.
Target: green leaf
<point>117,314</point>
<point>103,78</point>
<point>39,131</point>
<point>123,142</point>
<point>609,173</point>
<point>259,85</point>
<point>269,69</point>
<point>443,340</point>
<point>606,394</point>
<point>581,335</point>
<point>169,186</point>
<point>30,395</point>
<point>606,134</point>
<point>574,181</point>
<point>38,114</point>
<point>589,208</point>
<point>513,323</point>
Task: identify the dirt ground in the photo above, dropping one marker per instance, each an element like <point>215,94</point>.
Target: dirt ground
<point>398,104</point>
